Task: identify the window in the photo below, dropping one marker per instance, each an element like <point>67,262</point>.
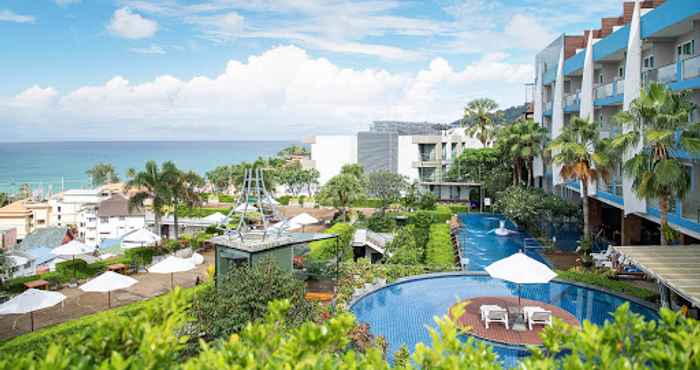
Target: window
<point>685,49</point>
<point>621,72</point>
<point>59,209</point>
<point>600,78</point>
<point>58,217</point>
<point>648,62</point>
<point>104,219</point>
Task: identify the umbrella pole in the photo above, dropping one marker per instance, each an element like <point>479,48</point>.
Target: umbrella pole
<point>31,319</point>
<point>171,280</point>
<point>109,299</point>
<point>518,295</point>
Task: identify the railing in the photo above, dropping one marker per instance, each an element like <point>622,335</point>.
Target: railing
<point>615,187</point>
<point>426,157</point>
<point>666,74</point>
<point>604,91</point>
<point>691,67</point>
<point>649,75</point>
<point>619,87</point>
<point>571,99</point>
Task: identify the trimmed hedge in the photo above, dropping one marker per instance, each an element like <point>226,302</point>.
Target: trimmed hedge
<point>284,200</point>
<point>439,251</point>
<point>325,249</point>
<point>602,280</point>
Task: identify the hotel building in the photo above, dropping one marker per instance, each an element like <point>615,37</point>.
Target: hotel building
<point>600,72</point>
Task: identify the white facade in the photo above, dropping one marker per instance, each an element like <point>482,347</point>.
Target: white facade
<point>66,207</point>
<point>330,153</point>
<point>95,225</point>
<point>408,154</point>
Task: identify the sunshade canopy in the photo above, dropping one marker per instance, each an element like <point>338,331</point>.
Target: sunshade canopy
<point>172,264</point>
<point>139,237</point>
<point>217,217</point>
<point>72,248</point>
<point>521,269</point>
<point>31,300</point>
<point>304,219</point>
<point>108,282</point>
<point>244,208</point>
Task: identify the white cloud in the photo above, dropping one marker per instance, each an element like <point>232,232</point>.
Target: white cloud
<point>153,49</point>
<point>125,23</point>
<point>10,16</point>
<point>66,2</point>
<point>528,32</point>
<point>222,26</point>
<point>281,93</point>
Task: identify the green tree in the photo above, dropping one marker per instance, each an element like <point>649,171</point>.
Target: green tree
<point>479,117</point>
<point>4,199</point>
<point>386,186</point>
<point>402,249</point>
<point>151,184</point>
<point>25,191</point>
<point>342,191</point>
<point>660,126</point>
<point>294,150</point>
<point>585,157</point>
<point>522,142</point>
<point>488,166</point>
<point>183,188</point>
<point>102,173</point>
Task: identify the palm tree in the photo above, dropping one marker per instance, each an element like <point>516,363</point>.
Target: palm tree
<point>151,183</point>
<point>183,189</point>
<point>660,126</point>
<point>479,114</point>
<point>585,157</point>
<point>102,173</point>
<point>522,141</point>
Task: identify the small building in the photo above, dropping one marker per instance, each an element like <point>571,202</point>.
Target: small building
<point>16,215</point>
<point>109,219</point>
<point>233,251</point>
<point>34,252</point>
<point>371,245</point>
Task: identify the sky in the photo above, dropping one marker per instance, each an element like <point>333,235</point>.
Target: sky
<point>264,69</point>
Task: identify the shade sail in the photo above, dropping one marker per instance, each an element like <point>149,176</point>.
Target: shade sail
<point>303,219</point>
<point>31,300</point>
<point>521,269</point>
<point>108,282</point>
<point>172,264</point>
<point>72,248</point>
<point>138,238</point>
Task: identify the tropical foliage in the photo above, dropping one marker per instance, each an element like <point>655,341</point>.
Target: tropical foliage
<point>602,279</point>
<point>522,142</point>
<point>479,116</point>
<point>386,186</point>
<point>151,184</point>
<point>102,173</point>
<point>489,166</point>
<point>294,150</point>
<point>528,207</point>
<point>439,250</point>
<point>658,125</point>
<point>342,190</point>
<point>402,250</point>
<point>298,180</point>
<point>326,249</point>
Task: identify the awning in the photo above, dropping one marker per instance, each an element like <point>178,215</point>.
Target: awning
<point>677,267</point>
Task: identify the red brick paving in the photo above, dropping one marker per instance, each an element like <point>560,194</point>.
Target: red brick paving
<point>497,332</point>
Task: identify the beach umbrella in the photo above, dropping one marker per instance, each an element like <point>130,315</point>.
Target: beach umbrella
<point>29,301</point>
<point>73,248</point>
<point>217,218</point>
<point>139,238</point>
<point>304,219</point>
<point>521,269</point>
<point>246,208</point>
<point>197,258</point>
<point>107,282</point>
<point>171,265</point>
<point>285,225</point>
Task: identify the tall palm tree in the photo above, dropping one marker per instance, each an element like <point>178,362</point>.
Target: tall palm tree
<point>183,190</point>
<point>584,156</point>
<point>151,183</point>
<point>479,117</point>
<point>522,141</point>
<point>660,125</point>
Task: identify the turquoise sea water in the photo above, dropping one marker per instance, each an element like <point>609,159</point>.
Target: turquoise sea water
<point>48,165</point>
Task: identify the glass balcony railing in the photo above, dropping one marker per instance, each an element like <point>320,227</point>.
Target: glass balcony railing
<point>604,91</point>
<point>614,187</point>
<point>666,74</point>
<point>572,99</point>
<point>427,157</point>
<point>691,67</point>
<point>619,87</point>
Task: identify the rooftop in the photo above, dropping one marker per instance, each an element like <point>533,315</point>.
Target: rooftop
<point>50,237</point>
<point>254,243</point>
<point>15,209</point>
<point>117,205</point>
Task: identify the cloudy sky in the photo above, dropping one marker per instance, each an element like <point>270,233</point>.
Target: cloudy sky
<point>251,69</point>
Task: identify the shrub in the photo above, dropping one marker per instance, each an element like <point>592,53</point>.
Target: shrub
<point>381,223</point>
<point>225,198</point>
<point>242,296</point>
<point>403,248</point>
<point>141,256</point>
<point>301,200</point>
<point>284,200</point>
<point>427,201</point>
<point>439,250</point>
<point>603,280</point>
<point>326,249</point>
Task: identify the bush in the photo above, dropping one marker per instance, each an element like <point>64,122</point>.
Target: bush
<point>325,249</point>
<point>421,233</point>
<point>284,200</point>
<point>141,256</point>
<point>403,248</point>
<point>381,223</point>
<point>459,208</point>
<point>242,296</point>
<point>603,280</point>
<point>427,201</point>
<point>439,250</point>
<point>199,212</point>
<point>368,203</point>
<point>225,198</point>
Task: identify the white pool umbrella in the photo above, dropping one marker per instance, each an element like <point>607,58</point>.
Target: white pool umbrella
<point>29,301</point>
<point>107,282</point>
<point>243,208</point>
<point>73,248</point>
<point>139,238</point>
<point>216,217</point>
<point>521,269</point>
<point>197,258</point>
<point>303,219</point>
<point>171,265</point>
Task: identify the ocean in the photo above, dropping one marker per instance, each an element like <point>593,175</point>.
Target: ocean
<point>50,165</point>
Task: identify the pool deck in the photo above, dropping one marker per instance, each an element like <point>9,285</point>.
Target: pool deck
<point>471,319</point>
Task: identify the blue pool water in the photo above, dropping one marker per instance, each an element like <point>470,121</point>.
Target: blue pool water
<point>402,311</point>
<point>482,247</point>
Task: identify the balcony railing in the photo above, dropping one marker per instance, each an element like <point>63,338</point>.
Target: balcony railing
<point>427,157</point>
<point>691,67</point>
<point>572,99</point>
<point>619,87</point>
<point>666,74</point>
<point>615,187</point>
<point>604,91</point>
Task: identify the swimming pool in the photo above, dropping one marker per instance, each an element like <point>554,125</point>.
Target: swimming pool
<point>481,246</point>
<point>400,312</point>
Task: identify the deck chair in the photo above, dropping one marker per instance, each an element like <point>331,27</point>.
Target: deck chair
<point>486,308</point>
<point>539,317</point>
<point>494,316</point>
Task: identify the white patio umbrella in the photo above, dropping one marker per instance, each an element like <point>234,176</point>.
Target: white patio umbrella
<point>521,269</point>
<point>289,225</point>
<point>107,282</point>
<point>73,248</point>
<point>197,258</point>
<point>171,265</point>
<point>216,217</point>
<point>139,238</point>
<point>242,208</point>
<point>304,219</point>
<point>29,301</point>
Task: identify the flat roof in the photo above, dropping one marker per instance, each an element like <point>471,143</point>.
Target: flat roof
<point>678,267</point>
<point>255,243</point>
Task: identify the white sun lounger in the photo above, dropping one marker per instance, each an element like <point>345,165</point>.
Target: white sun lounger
<point>537,316</point>
<point>496,316</point>
<point>486,308</point>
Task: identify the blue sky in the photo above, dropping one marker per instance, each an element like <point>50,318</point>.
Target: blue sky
<point>175,69</point>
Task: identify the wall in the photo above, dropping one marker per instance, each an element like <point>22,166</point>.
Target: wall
<point>330,153</point>
<point>407,154</point>
<point>377,151</point>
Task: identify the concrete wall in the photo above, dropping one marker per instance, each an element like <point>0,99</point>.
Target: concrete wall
<point>407,154</point>
<point>377,151</point>
<point>331,153</point>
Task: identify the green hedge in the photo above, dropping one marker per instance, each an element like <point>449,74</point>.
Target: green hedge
<point>603,280</point>
<point>439,251</point>
<point>439,216</point>
<point>284,200</point>
<point>325,249</point>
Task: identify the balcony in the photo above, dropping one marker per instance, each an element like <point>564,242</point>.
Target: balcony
<point>572,100</point>
<point>691,68</point>
<point>614,187</point>
<point>683,70</point>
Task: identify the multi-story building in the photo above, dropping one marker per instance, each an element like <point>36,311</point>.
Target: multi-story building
<point>109,219</point>
<point>599,73</point>
<point>422,152</point>
<point>25,216</point>
<point>66,207</point>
